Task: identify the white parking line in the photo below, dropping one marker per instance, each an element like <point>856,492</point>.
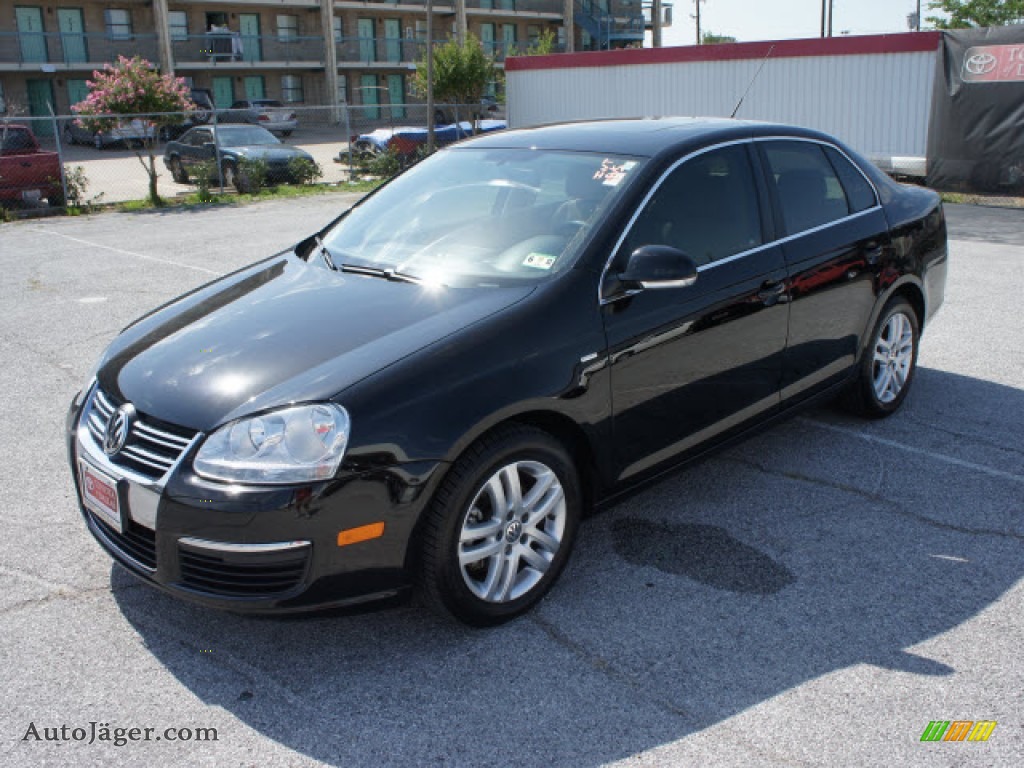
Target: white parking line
<point>911,449</point>
<point>130,253</point>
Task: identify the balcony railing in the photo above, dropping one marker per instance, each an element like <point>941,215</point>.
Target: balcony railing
<point>73,48</point>
<point>404,51</point>
<point>218,48</point>
<point>447,6</point>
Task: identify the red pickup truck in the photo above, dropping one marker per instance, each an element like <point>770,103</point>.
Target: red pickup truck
<point>27,173</point>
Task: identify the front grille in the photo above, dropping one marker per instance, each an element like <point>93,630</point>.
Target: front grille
<point>137,543</point>
<point>242,574</point>
<point>152,447</point>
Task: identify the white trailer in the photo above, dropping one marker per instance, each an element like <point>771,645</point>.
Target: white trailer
<point>873,92</point>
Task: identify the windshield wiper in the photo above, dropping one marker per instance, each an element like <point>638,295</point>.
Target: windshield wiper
<point>387,274</point>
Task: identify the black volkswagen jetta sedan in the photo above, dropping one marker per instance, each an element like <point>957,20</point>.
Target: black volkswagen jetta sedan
<point>433,389</point>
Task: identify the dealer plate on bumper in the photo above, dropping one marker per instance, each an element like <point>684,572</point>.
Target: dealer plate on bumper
<point>99,494</point>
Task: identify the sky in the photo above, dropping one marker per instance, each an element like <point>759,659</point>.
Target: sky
<point>749,20</point>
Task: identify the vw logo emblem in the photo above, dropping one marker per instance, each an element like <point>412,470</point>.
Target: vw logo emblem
<point>980,63</point>
<point>118,426</point>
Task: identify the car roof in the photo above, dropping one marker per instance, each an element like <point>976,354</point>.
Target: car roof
<point>644,137</point>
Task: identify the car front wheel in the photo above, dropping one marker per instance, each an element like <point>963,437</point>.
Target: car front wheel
<point>177,171</point>
<point>501,527</point>
<point>232,178</point>
<point>887,369</point>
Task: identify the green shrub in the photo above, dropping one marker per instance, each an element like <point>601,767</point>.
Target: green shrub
<point>252,174</point>
<point>303,171</point>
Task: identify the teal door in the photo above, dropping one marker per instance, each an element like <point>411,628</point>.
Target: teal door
<point>30,34</point>
<point>254,87</point>
<point>77,91</point>
<point>223,92</point>
<point>508,34</point>
<point>371,97</point>
<point>396,95</point>
<point>72,39</point>
<point>393,39</point>
<point>367,47</point>
<point>252,46</point>
<point>40,101</point>
<point>487,37</point>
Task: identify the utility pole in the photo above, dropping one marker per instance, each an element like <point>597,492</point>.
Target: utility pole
<point>830,12</point>
<point>656,24</point>
<point>697,17</point>
<point>918,16</point>
<point>824,11</point>
<point>460,21</point>
<point>430,75</point>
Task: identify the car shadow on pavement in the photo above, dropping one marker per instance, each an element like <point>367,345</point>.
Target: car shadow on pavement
<point>821,544</point>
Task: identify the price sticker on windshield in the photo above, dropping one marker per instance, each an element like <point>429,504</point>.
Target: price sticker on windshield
<point>539,261</point>
<point>611,173</point>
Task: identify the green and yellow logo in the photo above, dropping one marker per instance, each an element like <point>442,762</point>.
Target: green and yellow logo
<point>958,730</point>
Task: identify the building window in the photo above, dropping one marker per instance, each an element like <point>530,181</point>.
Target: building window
<point>339,29</point>
<point>178,23</point>
<point>119,23</point>
<point>291,88</point>
<point>533,34</point>
<point>343,89</point>
<point>287,27</point>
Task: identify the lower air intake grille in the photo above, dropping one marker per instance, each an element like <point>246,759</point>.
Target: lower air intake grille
<point>242,574</point>
<point>137,543</point>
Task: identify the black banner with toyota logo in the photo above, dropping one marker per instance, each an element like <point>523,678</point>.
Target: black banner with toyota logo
<point>976,133</point>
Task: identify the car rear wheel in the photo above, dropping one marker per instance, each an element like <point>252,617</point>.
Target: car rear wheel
<point>97,141</point>
<point>888,365</point>
<point>177,171</point>
<point>232,178</point>
<point>501,527</point>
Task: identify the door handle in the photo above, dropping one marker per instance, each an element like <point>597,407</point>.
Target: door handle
<point>772,292</point>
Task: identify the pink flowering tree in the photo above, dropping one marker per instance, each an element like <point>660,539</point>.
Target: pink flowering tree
<point>132,89</point>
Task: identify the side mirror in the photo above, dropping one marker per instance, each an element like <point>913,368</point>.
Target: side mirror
<point>658,266</point>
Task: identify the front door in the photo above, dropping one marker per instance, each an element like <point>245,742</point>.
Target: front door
<point>77,91</point>
<point>252,48</point>
<point>508,37</point>
<point>72,39</point>
<point>367,45</point>
<point>393,39</point>
<point>370,95</point>
<point>40,102</point>
<point>254,87</point>
<point>30,34</point>
<point>696,364</point>
<point>396,95</point>
<point>223,92</point>
<point>487,37</point>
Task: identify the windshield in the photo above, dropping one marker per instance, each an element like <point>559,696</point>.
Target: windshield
<point>473,215</point>
<point>245,136</point>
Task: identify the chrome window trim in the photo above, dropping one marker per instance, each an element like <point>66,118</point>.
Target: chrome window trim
<point>764,246</point>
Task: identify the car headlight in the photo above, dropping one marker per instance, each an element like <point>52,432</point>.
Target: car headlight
<point>292,445</point>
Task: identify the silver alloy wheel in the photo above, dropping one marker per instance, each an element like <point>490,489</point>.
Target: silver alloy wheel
<point>229,176</point>
<point>512,531</point>
<point>893,356</point>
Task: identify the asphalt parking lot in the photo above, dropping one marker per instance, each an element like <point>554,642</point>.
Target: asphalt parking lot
<point>814,596</point>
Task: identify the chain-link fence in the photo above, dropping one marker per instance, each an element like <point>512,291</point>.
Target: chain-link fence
<point>59,161</point>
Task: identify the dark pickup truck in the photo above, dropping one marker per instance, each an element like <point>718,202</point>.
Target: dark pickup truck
<point>27,173</point>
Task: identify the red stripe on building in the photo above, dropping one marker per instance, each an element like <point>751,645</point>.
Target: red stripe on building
<point>906,42</point>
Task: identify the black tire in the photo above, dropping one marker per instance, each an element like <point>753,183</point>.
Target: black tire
<point>286,134</point>
<point>444,583</point>
<point>97,142</point>
<point>68,135</point>
<point>178,173</point>
<point>440,118</point>
<point>864,397</point>
<point>232,178</point>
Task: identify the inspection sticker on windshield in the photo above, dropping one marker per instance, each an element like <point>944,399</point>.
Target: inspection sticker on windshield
<point>539,261</point>
<point>611,173</point>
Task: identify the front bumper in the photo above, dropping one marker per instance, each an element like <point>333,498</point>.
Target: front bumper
<point>257,549</point>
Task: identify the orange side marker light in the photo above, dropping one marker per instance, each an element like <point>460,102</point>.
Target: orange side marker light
<point>362,533</point>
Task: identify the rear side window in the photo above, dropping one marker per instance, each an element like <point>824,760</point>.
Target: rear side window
<point>859,193</point>
<point>809,190</point>
<point>707,208</point>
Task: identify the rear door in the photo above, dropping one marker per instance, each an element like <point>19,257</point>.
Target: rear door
<point>691,365</point>
<point>834,234</point>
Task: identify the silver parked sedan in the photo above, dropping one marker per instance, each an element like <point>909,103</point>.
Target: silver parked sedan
<point>267,113</point>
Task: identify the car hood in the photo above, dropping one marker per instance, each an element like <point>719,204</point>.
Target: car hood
<point>268,152</point>
<point>279,332</point>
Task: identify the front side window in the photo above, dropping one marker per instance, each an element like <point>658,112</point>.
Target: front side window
<point>479,216</point>
<point>707,208</point>
<point>809,190</point>
<point>119,23</point>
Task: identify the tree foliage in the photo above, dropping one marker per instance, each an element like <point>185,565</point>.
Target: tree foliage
<point>133,88</point>
<point>461,73</point>
<point>958,14</point>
